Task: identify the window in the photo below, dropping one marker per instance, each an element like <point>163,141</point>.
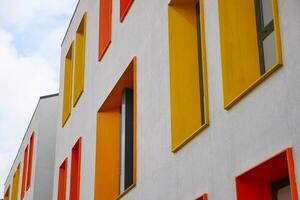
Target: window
<point>79,60</point>
<point>188,86</point>
<point>124,8</point>
<point>281,189</point>
<point>31,147</point>
<point>67,98</point>
<point>75,171</point>
<point>126,137</point>
<point>274,179</point>
<point>24,171</point>
<point>250,45</point>
<point>203,197</point>
<point>115,166</point>
<point>105,16</point>
<point>15,186</point>
<point>6,195</point>
<point>62,180</point>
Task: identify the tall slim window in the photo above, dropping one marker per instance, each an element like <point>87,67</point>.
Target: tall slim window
<point>250,45</point>
<point>62,180</point>
<point>188,88</point>
<point>75,171</point>
<point>31,147</point>
<point>67,93</point>
<point>126,138</point>
<point>281,189</point>
<point>15,186</point>
<point>79,66</point>
<point>115,166</point>
<point>24,174</point>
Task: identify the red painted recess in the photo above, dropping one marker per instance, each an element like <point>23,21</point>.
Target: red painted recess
<point>105,16</point>
<point>62,180</point>
<point>31,147</point>
<point>75,171</point>
<point>124,8</point>
<point>203,197</point>
<point>255,184</point>
<point>24,172</point>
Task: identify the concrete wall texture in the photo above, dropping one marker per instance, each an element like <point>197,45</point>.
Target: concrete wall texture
<point>259,126</point>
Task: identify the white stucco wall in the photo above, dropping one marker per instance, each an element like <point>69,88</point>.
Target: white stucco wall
<point>43,124</point>
<point>263,123</point>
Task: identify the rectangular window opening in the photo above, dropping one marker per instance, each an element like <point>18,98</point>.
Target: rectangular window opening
<point>29,171</point>
<point>79,61</point>
<point>189,114</point>
<point>67,93</point>
<point>75,171</point>
<point>15,186</point>
<point>24,175</point>
<point>62,181</point>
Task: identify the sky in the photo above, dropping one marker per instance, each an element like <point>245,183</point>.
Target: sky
<point>31,32</point>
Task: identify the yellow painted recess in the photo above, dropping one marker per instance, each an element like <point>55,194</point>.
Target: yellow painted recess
<point>107,166</point>
<point>67,98</point>
<point>79,60</point>
<point>185,87</point>
<point>239,48</point>
<point>15,186</point>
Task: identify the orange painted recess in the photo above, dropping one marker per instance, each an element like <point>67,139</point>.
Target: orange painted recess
<point>203,197</point>
<point>24,175</point>
<point>108,139</point>
<point>256,182</point>
<point>105,16</point>
<point>124,8</point>
<point>62,180</point>
<point>75,171</point>
<point>29,171</point>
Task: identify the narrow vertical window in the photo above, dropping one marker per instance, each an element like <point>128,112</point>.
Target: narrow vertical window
<point>105,16</point>
<point>265,34</point>
<point>62,181</point>
<point>24,174</point>
<point>67,93</point>
<point>7,193</point>
<point>75,171</point>
<point>124,8</point>
<point>15,186</point>
<point>115,166</point>
<point>31,147</point>
<point>79,60</point>
<point>281,189</point>
<point>189,106</point>
<point>126,138</point>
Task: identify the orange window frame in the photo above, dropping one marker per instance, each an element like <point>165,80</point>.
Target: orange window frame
<point>29,172</point>
<point>62,180</point>
<point>75,171</point>
<point>108,139</point>
<point>105,20</point>
<point>24,175</point>
<point>124,8</point>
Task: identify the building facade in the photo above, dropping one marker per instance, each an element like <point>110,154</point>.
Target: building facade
<point>31,175</point>
<point>179,99</point>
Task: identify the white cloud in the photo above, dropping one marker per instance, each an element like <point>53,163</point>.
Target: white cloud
<point>30,35</point>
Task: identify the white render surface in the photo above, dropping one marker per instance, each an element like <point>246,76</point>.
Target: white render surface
<point>259,126</point>
<point>43,124</point>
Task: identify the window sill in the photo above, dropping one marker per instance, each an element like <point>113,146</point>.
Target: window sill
<point>126,191</point>
<point>252,86</point>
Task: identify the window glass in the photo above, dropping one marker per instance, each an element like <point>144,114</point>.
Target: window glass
<point>284,193</point>
<point>267,11</point>
<point>269,51</point>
